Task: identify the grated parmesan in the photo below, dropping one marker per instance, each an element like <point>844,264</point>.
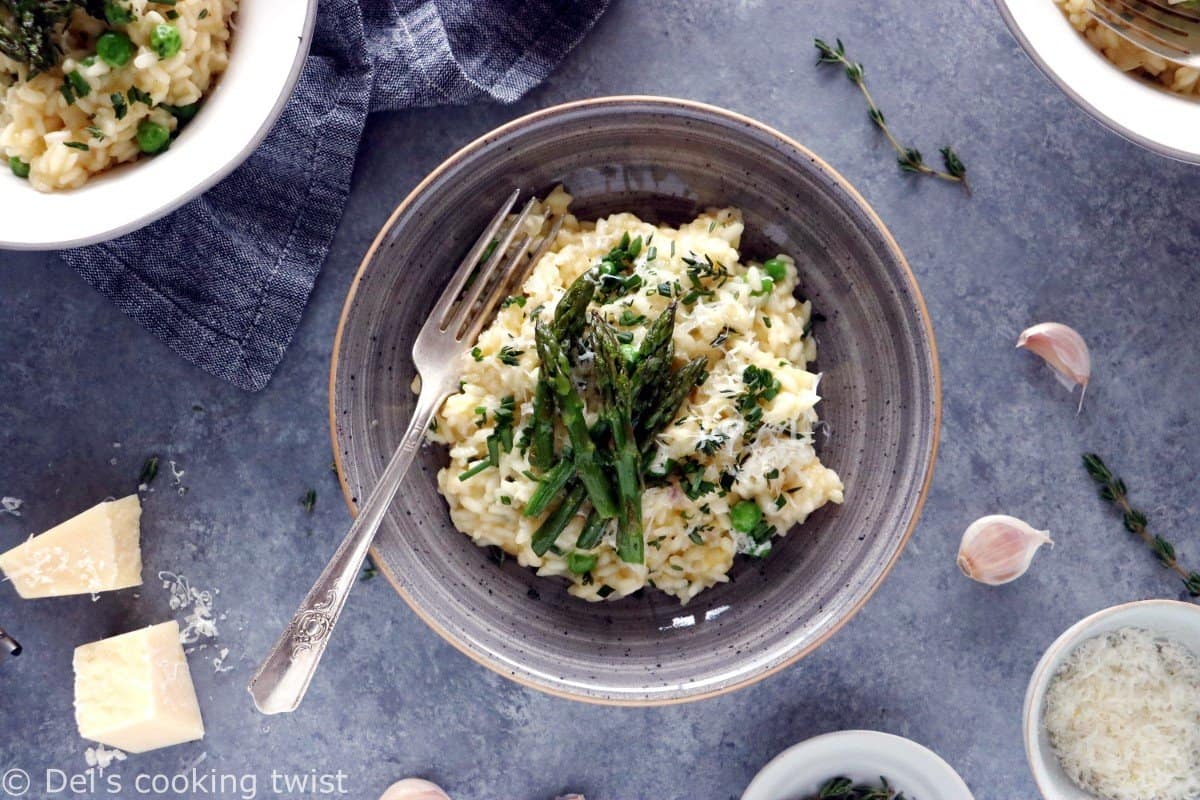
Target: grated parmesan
<point>1123,716</point>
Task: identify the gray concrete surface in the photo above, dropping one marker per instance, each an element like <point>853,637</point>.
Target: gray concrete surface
<point>1067,222</point>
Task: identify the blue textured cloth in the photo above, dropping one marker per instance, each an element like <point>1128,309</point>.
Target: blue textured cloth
<point>223,281</point>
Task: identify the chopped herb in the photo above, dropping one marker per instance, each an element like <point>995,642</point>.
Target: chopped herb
<point>368,572</point>
<point>710,442</point>
<point>79,84</point>
<point>95,132</point>
<point>76,145</point>
<point>476,354</point>
<point>696,537</point>
<point>628,318</point>
<point>605,591</point>
<point>766,320</point>
<point>120,109</point>
<point>136,95</point>
<point>780,501</point>
<point>509,355</point>
<point>203,14</point>
<point>652,253</point>
<point>149,471</point>
<point>505,500</point>
<point>813,319</point>
<point>117,13</point>
<point>772,475</point>
<point>309,500</point>
<point>18,167</point>
<point>67,93</point>
<point>517,300</point>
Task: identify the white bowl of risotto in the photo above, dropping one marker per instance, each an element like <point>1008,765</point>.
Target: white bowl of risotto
<point>1146,99</point>
<point>119,111</point>
<point>1113,707</point>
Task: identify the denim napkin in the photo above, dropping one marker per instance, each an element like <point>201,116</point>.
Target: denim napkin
<point>223,281</point>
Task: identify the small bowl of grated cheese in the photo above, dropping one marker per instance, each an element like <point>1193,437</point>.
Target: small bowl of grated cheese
<point>1113,708</point>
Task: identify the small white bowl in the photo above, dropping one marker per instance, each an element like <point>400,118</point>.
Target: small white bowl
<point>267,50</point>
<point>1171,618</point>
<point>1147,115</point>
<point>802,769</point>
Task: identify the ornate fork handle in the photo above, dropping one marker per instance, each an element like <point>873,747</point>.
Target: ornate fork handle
<point>281,681</point>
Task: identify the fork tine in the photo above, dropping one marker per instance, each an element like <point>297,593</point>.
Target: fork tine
<point>473,323</point>
<point>1181,13</point>
<point>1175,29</point>
<point>1129,23</point>
<point>468,265</point>
<point>461,310</point>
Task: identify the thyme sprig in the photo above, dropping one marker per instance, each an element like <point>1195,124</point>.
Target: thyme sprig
<point>908,158</point>
<point>841,788</point>
<point>1113,490</point>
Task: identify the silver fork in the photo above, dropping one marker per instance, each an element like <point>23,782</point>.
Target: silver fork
<point>453,325</point>
<point>1170,31</point>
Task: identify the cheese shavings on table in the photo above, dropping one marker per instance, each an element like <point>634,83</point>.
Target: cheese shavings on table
<point>1123,716</point>
<point>729,468</point>
<point>95,551</point>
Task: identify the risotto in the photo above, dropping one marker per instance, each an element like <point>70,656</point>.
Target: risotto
<point>1127,56</point>
<point>129,75</point>
<point>642,412</point>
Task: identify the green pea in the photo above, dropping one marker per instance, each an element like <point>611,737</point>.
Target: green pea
<point>152,137</point>
<point>165,40</point>
<point>745,516</point>
<point>776,268</point>
<point>18,167</point>
<point>117,13</point>
<point>114,49</point>
<point>581,563</point>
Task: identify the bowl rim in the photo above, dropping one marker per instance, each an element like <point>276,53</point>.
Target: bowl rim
<point>651,102</point>
<point>303,44</point>
<point>1044,67</point>
<point>1039,679</point>
<point>932,761</point>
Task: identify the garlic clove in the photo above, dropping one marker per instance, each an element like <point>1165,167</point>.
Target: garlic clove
<point>998,549</point>
<point>414,789</point>
<point>1063,349</point>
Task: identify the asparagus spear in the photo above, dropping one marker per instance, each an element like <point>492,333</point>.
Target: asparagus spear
<point>556,371</point>
<point>546,534</point>
<point>541,445</point>
<point>616,388</point>
<point>592,533</point>
<point>654,359</point>
<point>688,377</point>
<point>551,486</point>
<point>567,325</point>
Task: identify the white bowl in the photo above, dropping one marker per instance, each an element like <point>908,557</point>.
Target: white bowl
<point>1145,114</point>
<point>799,771</point>
<point>267,50</point>
<point>1176,620</point>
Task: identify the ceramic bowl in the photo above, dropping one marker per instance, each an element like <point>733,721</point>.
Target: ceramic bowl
<point>666,160</point>
<point>266,53</point>
<point>1143,112</point>
<point>801,770</point>
<point>1176,620</point>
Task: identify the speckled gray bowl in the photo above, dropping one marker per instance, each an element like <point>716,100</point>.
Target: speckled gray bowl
<point>663,159</point>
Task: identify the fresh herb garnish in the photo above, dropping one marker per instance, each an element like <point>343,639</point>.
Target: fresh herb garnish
<point>76,145</point>
<point>509,356</point>
<point>760,384</point>
<point>149,471</point>
<point>309,501</point>
<point>1112,490</point>
<point>136,95</point>
<point>840,788</point>
<point>908,158</point>
<point>499,441</point>
<point>120,109</point>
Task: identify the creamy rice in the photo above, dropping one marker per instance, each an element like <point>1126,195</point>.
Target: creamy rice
<point>1129,57</point>
<point>37,121</point>
<point>690,543</point>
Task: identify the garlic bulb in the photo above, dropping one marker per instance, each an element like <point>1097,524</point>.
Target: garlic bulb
<point>997,549</point>
<point>1064,350</point>
<point>414,789</point>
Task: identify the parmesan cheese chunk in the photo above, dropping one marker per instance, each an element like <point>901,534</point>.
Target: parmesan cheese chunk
<point>134,691</point>
<point>96,551</point>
